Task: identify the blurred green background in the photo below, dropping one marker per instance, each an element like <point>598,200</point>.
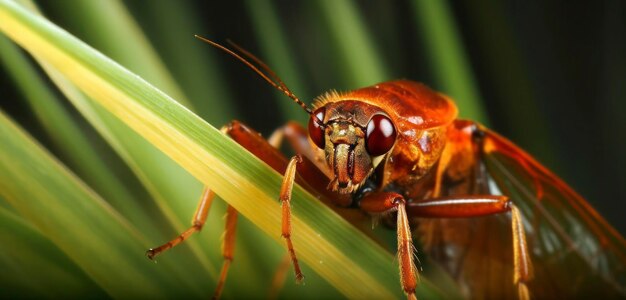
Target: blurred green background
<point>550,76</point>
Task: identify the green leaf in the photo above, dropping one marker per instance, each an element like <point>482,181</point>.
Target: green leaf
<point>448,60</point>
<point>66,135</point>
<point>29,261</point>
<point>351,262</point>
<point>167,183</point>
<point>360,65</point>
<point>122,40</point>
<point>193,67</point>
<point>279,55</point>
<point>76,220</point>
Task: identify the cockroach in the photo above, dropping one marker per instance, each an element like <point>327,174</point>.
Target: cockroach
<point>499,222</point>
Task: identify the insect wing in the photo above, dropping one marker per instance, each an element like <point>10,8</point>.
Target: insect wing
<point>575,252</point>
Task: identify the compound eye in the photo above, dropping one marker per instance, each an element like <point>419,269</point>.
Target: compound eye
<point>316,127</point>
<point>380,135</point>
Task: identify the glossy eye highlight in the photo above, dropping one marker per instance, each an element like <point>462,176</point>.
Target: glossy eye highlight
<point>380,135</point>
<point>316,129</point>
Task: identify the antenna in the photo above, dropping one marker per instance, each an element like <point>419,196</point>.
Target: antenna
<point>271,77</point>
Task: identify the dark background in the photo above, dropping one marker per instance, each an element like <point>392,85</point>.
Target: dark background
<point>551,75</point>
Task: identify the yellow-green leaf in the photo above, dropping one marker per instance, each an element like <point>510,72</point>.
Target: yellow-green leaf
<point>351,262</point>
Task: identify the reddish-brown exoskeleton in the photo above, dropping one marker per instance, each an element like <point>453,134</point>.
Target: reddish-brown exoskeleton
<point>397,149</point>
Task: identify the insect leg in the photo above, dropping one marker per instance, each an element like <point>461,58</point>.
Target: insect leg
<point>228,248</point>
<point>384,202</point>
<point>260,148</point>
<point>268,152</point>
<point>297,138</point>
<point>309,176</point>
<point>203,206</point>
<point>285,198</point>
<point>460,207</point>
<point>523,265</point>
<point>198,221</point>
<point>476,206</point>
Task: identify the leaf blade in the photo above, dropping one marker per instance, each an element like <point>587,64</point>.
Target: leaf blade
<point>217,161</point>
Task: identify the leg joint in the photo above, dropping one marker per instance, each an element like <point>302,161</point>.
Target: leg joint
<point>198,225</point>
<point>398,200</point>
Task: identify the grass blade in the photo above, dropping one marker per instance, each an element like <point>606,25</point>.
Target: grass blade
<point>122,40</point>
<point>215,160</point>
<point>449,63</point>
<point>188,59</point>
<point>361,68</point>
<point>67,137</point>
<point>168,184</point>
<point>29,261</point>
<point>279,56</point>
<point>76,220</point>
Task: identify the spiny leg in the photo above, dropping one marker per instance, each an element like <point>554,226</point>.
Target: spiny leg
<point>228,248</point>
<point>383,202</point>
<point>523,265</point>
<point>276,140</point>
<point>486,142</point>
<point>285,198</point>
<point>269,154</point>
<point>199,218</point>
<point>252,141</point>
<point>313,170</point>
<point>483,142</point>
<point>476,206</point>
<point>408,270</point>
<point>267,151</point>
